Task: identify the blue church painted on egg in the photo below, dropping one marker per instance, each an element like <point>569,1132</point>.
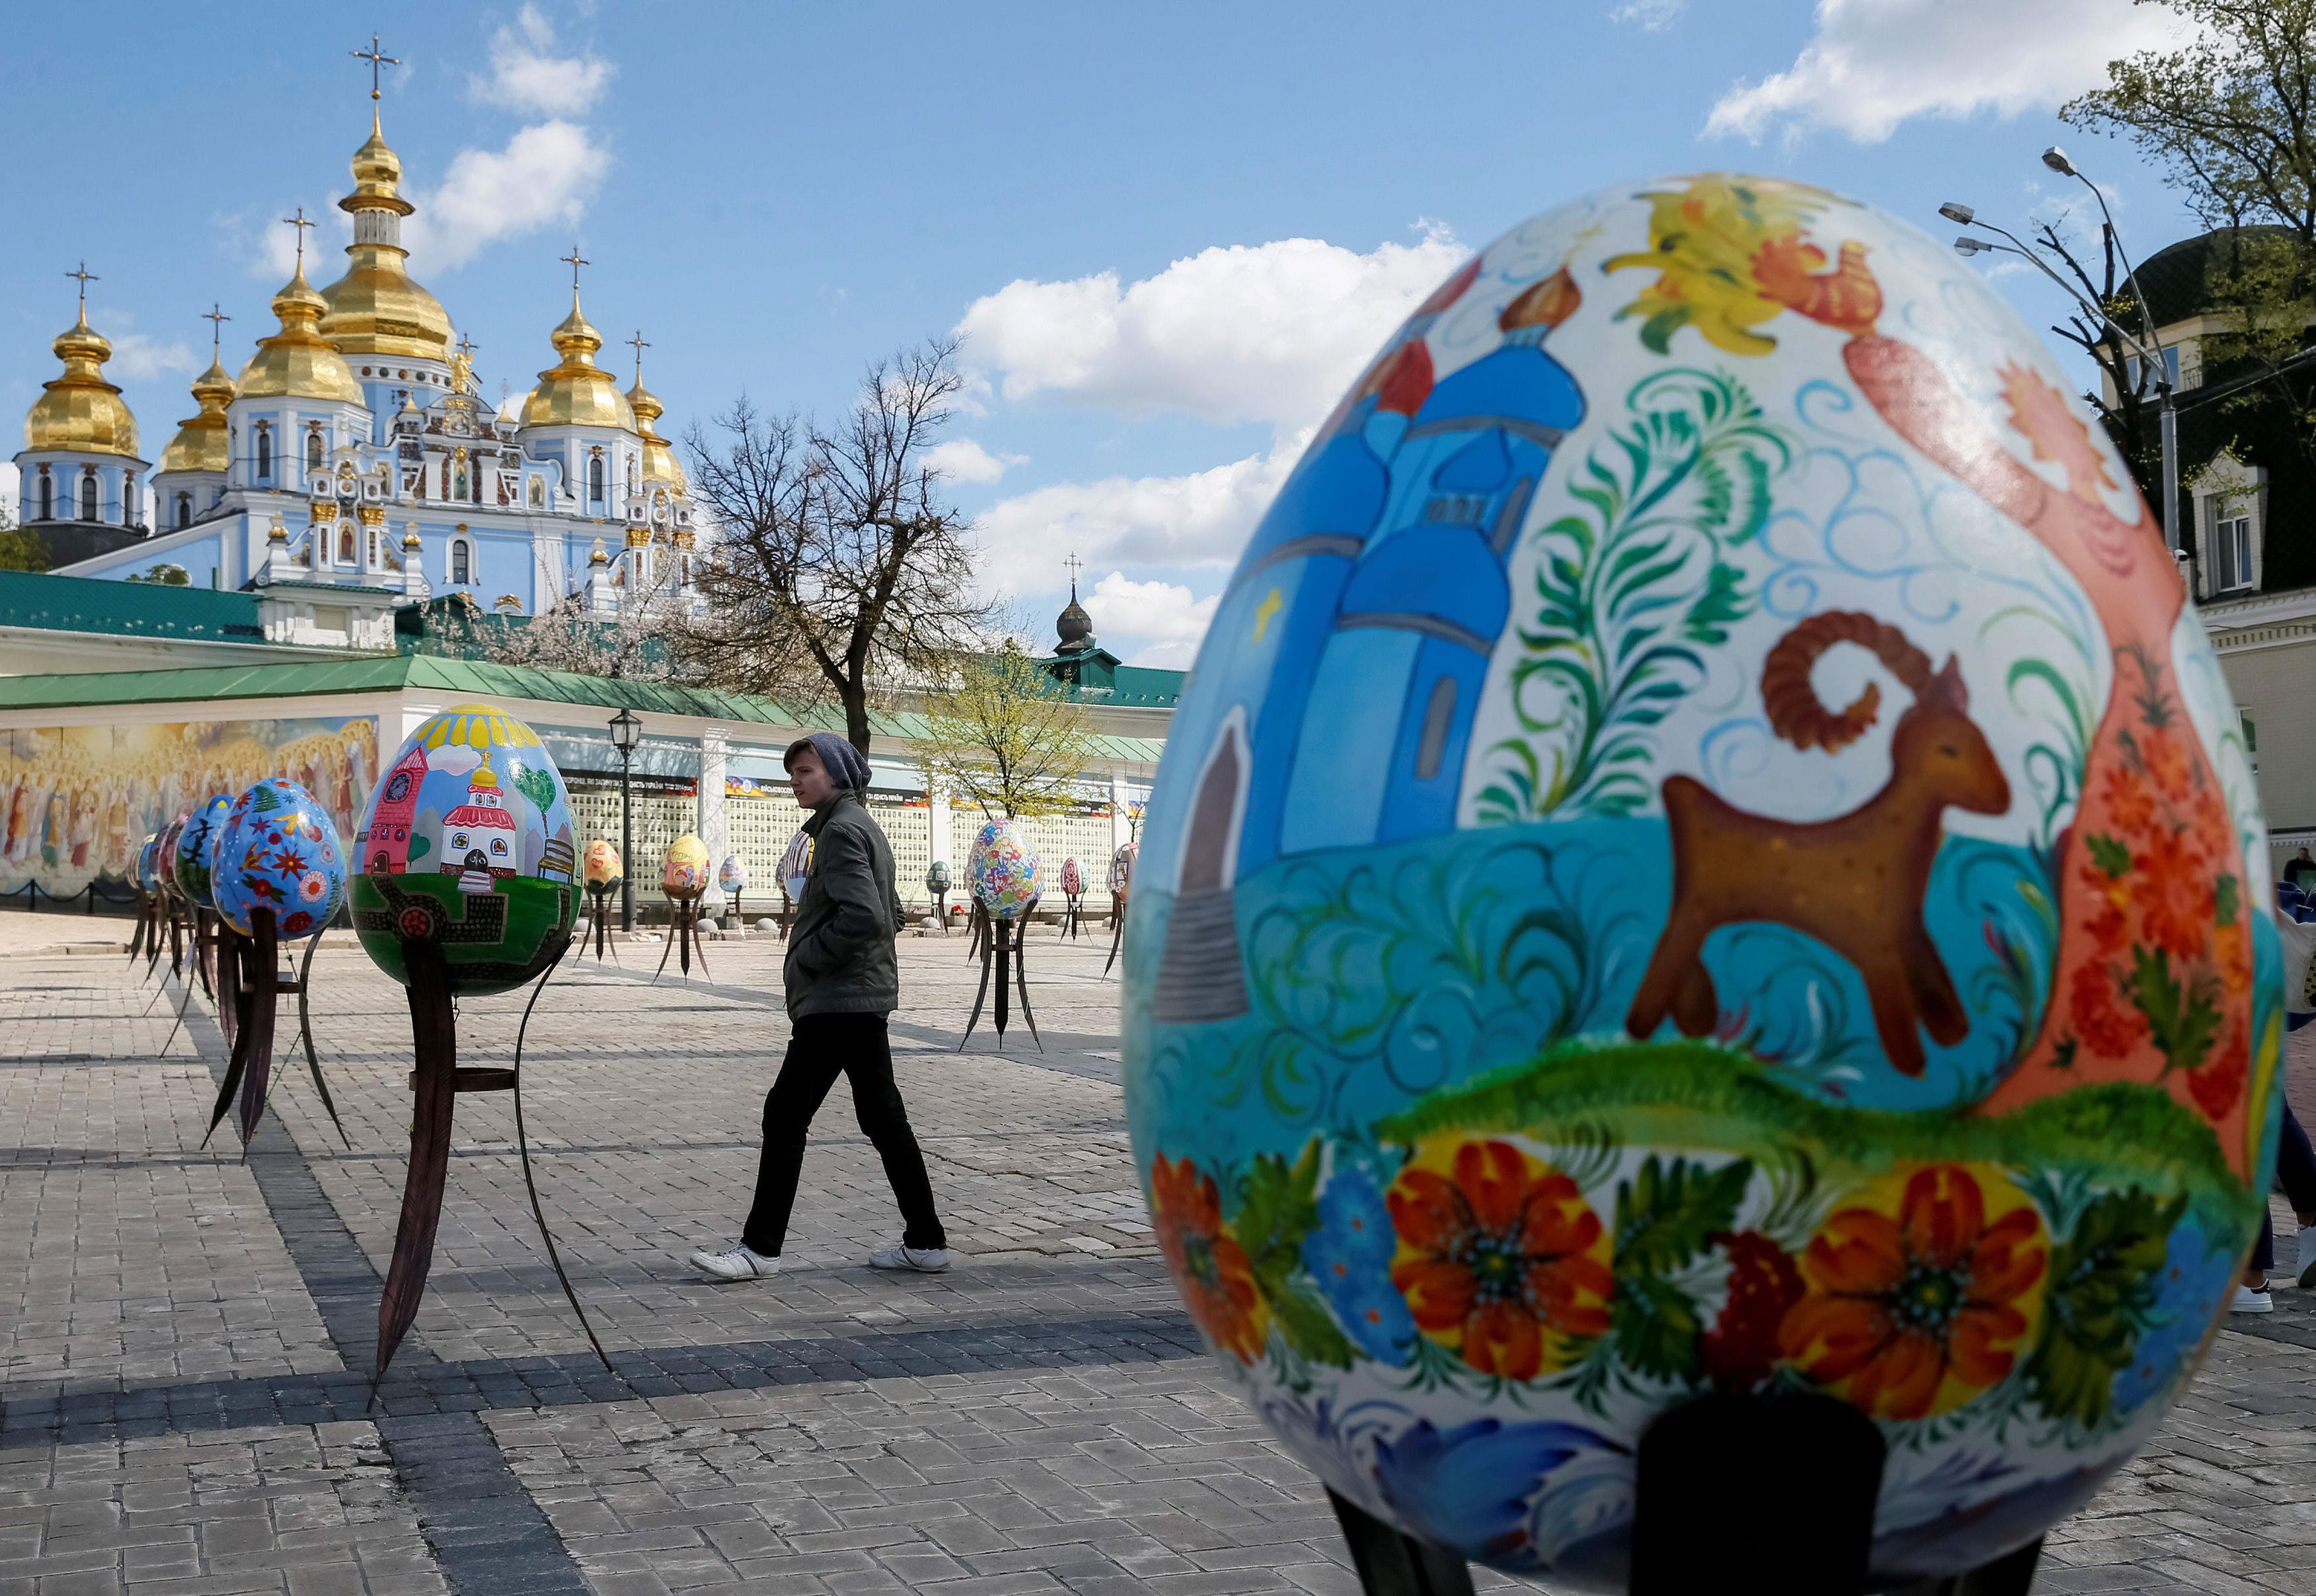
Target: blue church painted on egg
<point>1353,642</point>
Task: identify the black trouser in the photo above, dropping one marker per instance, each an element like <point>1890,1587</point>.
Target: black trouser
<point>821,1047</point>
<point>2295,1169</point>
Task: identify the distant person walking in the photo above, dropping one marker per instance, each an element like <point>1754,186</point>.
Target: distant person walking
<point>2301,871</point>
<point>843,979</point>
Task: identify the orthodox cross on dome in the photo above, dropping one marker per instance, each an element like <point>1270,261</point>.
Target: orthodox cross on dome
<point>85,277</point>
<point>217,318</point>
<point>1075,565</point>
<point>375,61</point>
<point>301,222</point>
<point>639,345</point>
<point>576,260</point>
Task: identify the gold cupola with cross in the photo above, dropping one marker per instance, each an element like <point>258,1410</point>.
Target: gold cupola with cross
<point>375,309</point>
<point>576,392</point>
<point>80,409</point>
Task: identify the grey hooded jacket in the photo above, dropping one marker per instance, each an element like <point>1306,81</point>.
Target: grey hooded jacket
<point>841,959</point>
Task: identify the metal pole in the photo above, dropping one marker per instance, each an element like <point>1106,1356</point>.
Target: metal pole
<point>627,850</point>
<point>2173,538</point>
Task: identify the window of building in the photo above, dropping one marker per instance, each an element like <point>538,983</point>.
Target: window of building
<point>48,496</point>
<point>88,493</point>
<point>2143,381</point>
<point>461,570</point>
<point>595,480</point>
<point>2232,548</point>
<point>313,449</point>
<point>458,839</point>
<point>184,509</point>
<point>128,499</point>
<point>264,452</point>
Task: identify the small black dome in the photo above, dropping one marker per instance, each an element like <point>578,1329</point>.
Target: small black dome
<point>1075,627</point>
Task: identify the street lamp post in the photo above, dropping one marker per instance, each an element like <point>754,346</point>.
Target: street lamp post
<point>2151,359</point>
<point>627,731</point>
<point>2056,160</point>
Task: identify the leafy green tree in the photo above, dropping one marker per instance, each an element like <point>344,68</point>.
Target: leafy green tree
<point>2230,118</point>
<point>1007,736</point>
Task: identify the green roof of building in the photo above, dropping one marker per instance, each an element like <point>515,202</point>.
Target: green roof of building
<point>127,609</point>
<point>211,684</point>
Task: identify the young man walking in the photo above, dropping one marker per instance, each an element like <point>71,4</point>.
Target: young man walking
<point>843,979</point>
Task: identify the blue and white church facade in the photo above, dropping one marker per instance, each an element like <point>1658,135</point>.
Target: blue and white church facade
<point>353,452</point>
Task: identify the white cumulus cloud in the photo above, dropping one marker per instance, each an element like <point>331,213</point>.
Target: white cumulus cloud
<point>1266,333</point>
<point>1201,519</point>
<point>140,359</point>
<point>1871,65</point>
<point>545,175</point>
<point>1161,616</point>
<point>1654,16</point>
<point>961,459</point>
<point>528,77</point>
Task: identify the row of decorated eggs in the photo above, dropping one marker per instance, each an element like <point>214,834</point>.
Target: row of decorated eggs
<point>272,848</point>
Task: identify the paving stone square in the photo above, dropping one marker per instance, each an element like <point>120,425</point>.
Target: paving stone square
<point>186,1333</point>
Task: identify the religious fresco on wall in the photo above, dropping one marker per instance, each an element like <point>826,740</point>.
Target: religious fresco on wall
<point>76,801</point>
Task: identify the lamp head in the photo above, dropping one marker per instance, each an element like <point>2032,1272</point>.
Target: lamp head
<point>2056,160</point>
<point>1967,247</point>
<point>627,731</point>
<point>1955,212</point>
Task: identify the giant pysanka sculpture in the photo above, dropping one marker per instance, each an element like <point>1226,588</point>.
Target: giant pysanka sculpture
<point>277,875</point>
<point>1699,976</point>
<point>466,889</point>
<point>1006,880</point>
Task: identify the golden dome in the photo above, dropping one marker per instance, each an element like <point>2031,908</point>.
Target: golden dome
<point>577,392</point>
<point>80,410</point>
<point>375,309</point>
<point>202,443</point>
<point>297,361</point>
<point>660,464</point>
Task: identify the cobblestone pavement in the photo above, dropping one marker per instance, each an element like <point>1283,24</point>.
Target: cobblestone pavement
<point>185,1334</point>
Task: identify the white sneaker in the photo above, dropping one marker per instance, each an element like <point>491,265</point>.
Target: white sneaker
<point>928,1260</point>
<point>737,1264</point>
<point>2249,1301</point>
<point>2304,1277</point>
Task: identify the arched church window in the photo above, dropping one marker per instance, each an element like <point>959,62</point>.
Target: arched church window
<point>88,493</point>
<point>184,509</point>
<point>314,448</point>
<point>460,566</point>
<point>264,451</point>
<point>48,496</point>
<point>129,498</point>
<point>595,479</point>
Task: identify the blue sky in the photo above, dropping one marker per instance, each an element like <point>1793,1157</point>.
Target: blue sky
<point>1170,233</point>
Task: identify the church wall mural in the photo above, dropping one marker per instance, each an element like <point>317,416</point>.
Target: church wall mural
<point>76,801</point>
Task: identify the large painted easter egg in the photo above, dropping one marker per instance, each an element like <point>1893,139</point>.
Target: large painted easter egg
<point>795,864</point>
<point>467,842</point>
<point>937,877</point>
<point>164,856</point>
<point>599,864</point>
<point>277,850</point>
<point>1121,869</point>
<point>148,853</point>
<point>191,860</point>
<point>1005,876</point>
<point>1073,878</point>
<point>1704,851</point>
<point>684,872</point>
<point>732,875</point>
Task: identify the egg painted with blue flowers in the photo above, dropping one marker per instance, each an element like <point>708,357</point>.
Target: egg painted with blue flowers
<point>190,864</point>
<point>164,856</point>
<point>1704,851</point>
<point>732,875</point>
<point>468,845</point>
<point>277,850</point>
<point>148,854</point>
